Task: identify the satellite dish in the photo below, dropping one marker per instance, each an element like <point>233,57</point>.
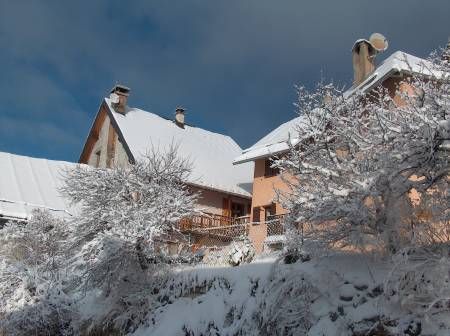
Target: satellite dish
<point>379,42</point>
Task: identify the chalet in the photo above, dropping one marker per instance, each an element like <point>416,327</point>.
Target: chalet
<point>28,183</point>
<point>266,213</point>
<point>120,135</point>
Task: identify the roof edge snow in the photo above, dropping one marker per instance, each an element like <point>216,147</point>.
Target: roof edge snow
<point>399,61</point>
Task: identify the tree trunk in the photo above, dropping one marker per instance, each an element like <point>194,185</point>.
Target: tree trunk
<point>140,254</point>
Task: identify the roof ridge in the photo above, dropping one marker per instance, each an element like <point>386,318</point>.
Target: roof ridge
<point>186,124</point>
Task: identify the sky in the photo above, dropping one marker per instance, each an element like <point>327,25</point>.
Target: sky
<point>232,64</point>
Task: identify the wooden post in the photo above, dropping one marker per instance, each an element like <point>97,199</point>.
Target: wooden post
<point>111,147</point>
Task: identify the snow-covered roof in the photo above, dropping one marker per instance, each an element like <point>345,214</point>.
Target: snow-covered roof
<point>397,62</point>
<point>277,141</point>
<point>28,183</point>
<point>273,143</point>
<point>211,153</point>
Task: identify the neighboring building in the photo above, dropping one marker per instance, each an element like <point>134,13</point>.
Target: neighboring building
<point>28,183</point>
<point>120,135</point>
<point>266,213</point>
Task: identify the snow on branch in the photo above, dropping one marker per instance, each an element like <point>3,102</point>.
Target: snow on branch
<point>351,177</point>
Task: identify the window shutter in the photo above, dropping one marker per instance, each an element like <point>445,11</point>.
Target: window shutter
<point>226,207</point>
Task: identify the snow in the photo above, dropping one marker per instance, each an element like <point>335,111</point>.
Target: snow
<point>28,183</point>
<point>195,309</point>
<point>254,299</point>
<point>211,153</point>
<point>273,239</point>
<point>346,292</point>
<point>399,61</point>
<point>273,143</point>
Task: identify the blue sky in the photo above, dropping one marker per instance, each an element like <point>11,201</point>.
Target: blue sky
<point>232,64</point>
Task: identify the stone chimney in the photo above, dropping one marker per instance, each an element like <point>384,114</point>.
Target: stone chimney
<point>119,98</point>
<point>179,116</point>
<point>363,57</point>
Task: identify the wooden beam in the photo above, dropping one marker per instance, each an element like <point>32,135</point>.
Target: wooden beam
<point>94,134</point>
<point>111,146</point>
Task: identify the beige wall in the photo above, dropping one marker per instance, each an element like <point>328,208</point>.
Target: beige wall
<point>257,234</point>
<point>394,84</point>
<point>263,195</point>
<point>264,189</point>
<point>212,201</point>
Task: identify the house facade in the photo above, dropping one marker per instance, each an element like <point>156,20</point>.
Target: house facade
<point>120,135</point>
<point>267,215</point>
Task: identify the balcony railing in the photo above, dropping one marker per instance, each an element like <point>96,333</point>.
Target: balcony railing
<point>208,221</point>
<point>275,225</point>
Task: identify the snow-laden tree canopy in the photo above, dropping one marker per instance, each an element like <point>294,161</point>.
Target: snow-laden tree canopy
<point>363,159</point>
<point>140,201</point>
<point>113,251</point>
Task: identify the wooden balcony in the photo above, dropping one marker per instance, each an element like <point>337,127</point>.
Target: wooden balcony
<point>208,220</point>
<point>221,227</point>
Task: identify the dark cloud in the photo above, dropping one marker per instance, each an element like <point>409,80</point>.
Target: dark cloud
<point>233,64</point>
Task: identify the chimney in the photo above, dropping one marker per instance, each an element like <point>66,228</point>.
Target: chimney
<point>179,116</point>
<point>119,97</point>
<point>363,57</point>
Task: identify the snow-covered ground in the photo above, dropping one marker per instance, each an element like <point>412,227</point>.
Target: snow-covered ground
<point>337,295</point>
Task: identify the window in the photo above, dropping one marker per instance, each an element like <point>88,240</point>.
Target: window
<point>269,211</point>
<point>97,158</point>
<point>237,210</point>
<point>268,170</point>
<point>256,214</point>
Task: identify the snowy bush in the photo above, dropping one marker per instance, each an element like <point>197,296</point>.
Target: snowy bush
<point>238,252</point>
<point>139,203</point>
<point>357,160</point>
<point>242,251</point>
<point>126,216</point>
<point>420,282</point>
<point>33,297</point>
<point>285,308</point>
<point>102,268</point>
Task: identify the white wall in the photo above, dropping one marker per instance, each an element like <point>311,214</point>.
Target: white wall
<point>120,155</point>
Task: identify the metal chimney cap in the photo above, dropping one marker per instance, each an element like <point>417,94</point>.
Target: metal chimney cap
<point>121,89</point>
